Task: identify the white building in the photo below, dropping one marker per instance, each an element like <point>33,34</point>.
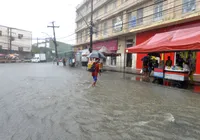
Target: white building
<point>13,40</point>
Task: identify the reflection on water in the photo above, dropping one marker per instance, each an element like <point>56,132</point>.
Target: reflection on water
<point>192,87</point>
<point>55,103</point>
<point>123,108</point>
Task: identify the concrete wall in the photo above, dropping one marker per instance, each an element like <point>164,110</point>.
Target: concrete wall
<point>25,41</point>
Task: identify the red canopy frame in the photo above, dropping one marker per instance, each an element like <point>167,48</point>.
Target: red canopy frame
<point>185,39</point>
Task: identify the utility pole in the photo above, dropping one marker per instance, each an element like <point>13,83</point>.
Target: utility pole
<point>10,40</point>
<point>91,27</point>
<point>37,43</point>
<point>54,40</point>
<point>45,43</point>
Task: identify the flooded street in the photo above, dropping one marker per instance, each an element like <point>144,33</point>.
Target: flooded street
<point>46,102</point>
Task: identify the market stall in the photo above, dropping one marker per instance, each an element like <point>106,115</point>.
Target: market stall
<point>182,42</point>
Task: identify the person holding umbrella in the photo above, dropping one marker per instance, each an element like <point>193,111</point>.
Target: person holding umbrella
<point>94,69</point>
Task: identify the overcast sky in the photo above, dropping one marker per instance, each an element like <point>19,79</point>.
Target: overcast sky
<point>35,15</point>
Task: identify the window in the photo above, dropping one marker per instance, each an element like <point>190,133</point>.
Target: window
<point>140,16</point>
<point>106,9</point>
<point>189,5</point>
<point>86,34</point>
<point>114,4</point>
<point>20,49</point>
<point>117,24</point>
<point>113,60</point>
<point>0,33</point>
<point>122,1</point>
<point>20,36</point>
<point>96,14</point>
<point>158,10</point>
<point>105,28</point>
<point>97,30</point>
<point>131,20</point>
<point>81,37</point>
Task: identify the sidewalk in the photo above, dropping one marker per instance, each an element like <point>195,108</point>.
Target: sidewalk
<point>121,69</point>
<point>137,71</point>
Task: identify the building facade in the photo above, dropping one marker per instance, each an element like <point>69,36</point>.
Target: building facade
<point>131,22</point>
<point>13,40</point>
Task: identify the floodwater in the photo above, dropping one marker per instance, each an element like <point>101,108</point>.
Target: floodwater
<point>43,101</point>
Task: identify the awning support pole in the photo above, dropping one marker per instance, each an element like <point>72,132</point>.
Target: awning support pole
<point>164,69</point>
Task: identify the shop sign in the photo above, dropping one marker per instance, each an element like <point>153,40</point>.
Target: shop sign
<point>111,45</point>
<point>158,74</point>
<point>118,26</point>
<point>175,77</point>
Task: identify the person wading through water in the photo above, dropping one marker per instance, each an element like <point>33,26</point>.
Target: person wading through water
<point>95,71</point>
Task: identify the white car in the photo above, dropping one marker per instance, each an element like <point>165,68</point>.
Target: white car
<point>35,60</point>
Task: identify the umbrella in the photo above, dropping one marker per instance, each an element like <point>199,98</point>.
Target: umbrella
<point>96,54</point>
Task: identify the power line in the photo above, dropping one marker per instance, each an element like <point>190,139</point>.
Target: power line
<point>83,17</point>
<point>142,18</point>
<point>128,12</point>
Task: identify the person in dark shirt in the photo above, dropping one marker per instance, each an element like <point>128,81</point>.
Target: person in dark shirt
<point>179,60</point>
<point>168,62</point>
<point>145,66</point>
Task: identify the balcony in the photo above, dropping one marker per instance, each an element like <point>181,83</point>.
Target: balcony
<point>96,6</point>
<point>121,8</point>
<point>171,14</point>
<point>81,4</point>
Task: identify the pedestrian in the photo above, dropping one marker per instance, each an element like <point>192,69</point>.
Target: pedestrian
<point>191,65</point>
<point>168,62</point>
<point>145,67</point>
<point>64,62</point>
<point>95,71</point>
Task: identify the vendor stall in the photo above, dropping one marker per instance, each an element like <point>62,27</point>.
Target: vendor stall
<point>177,41</point>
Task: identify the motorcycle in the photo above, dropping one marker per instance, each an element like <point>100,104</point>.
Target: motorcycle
<point>72,62</point>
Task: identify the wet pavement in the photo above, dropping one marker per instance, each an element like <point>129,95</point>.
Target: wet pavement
<point>46,102</point>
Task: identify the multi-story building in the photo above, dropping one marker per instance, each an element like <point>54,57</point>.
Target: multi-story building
<point>13,40</point>
<point>119,24</point>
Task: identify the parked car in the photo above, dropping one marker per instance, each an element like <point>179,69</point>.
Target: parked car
<point>26,60</point>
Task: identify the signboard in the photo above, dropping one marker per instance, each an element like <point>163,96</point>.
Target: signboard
<point>158,74</point>
<point>111,45</point>
<point>118,26</point>
<point>175,77</point>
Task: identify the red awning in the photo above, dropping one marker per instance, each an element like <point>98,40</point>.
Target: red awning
<point>175,40</point>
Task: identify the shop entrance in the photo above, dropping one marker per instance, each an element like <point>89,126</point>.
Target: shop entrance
<point>129,43</point>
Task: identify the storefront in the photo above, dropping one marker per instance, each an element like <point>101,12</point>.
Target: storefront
<point>144,36</point>
<point>179,49</point>
<point>109,48</point>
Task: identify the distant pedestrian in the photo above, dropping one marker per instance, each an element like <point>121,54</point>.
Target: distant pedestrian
<point>64,62</point>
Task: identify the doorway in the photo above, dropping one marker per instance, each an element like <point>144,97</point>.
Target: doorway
<point>129,43</point>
